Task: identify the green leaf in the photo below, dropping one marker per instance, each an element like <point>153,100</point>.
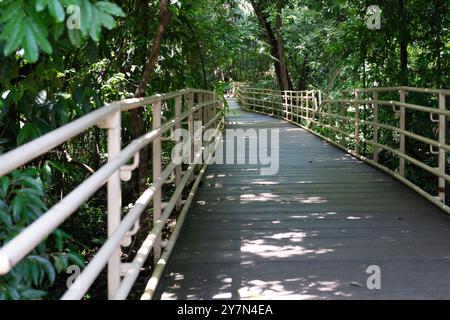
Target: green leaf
<point>33,271</point>
<point>61,263</point>
<point>107,21</point>
<point>32,183</point>
<point>40,5</point>
<point>11,26</point>
<point>5,217</point>
<point>40,35</point>
<point>75,37</point>
<point>76,258</point>
<point>56,10</point>
<point>31,294</point>
<point>69,2</point>
<point>15,37</point>
<point>46,264</point>
<point>86,16</point>
<point>96,27</point>
<point>29,192</point>
<point>58,166</point>
<point>59,236</point>
<point>28,132</point>
<point>110,8</point>
<point>4,185</point>
<point>12,292</point>
<point>58,30</point>
<point>17,207</point>
<point>50,271</point>
<point>30,46</point>
<point>11,10</point>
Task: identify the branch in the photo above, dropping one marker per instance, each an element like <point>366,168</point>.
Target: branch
<point>164,20</point>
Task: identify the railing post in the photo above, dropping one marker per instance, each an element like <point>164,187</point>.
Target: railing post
<point>211,107</point>
<point>320,108</point>
<point>200,112</point>
<point>214,107</point>
<point>279,104</point>
<point>191,130</point>
<point>273,99</point>
<point>156,161</point>
<point>205,109</point>
<point>287,104</point>
<point>341,121</point>
<point>198,131</point>
<point>177,127</point>
<point>307,110</point>
<point>206,98</point>
<point>314,115</point>
<point>114,199</point>
<point>375,127</point>
<point>330,114</point>
<point>291,107</point>
<point>286,108</point>
<point>356,123</point>
<point>442,129</point>
<point>402,136</point>
<point>264,102</point>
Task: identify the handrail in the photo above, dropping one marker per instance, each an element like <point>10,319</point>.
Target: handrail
<point>392,89</point>
<point>47,142</point>
<point>332,120</point>
<point>200,104</point>
<point>388,103</point>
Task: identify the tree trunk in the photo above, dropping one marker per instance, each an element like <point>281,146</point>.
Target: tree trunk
<point>280,46</point>
<point>403,43</point>
<point>137,122</point>
<point>270,38</point>
<point>200,52</point>
<point>438,8</point>
<point>302,80</point>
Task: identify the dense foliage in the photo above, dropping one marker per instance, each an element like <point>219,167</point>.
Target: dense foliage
<point>61,59</point>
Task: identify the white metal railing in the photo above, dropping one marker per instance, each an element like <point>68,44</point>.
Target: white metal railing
<point>350,121</point>
<point>190,105</point>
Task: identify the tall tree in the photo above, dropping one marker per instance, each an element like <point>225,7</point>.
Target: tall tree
<point>440,6</point>
<point>403,39</point>
<point>136,114</point>
<point>275,41</point>
<point>285,80</point>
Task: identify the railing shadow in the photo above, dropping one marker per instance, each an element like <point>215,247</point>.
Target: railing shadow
<point>308,232</point>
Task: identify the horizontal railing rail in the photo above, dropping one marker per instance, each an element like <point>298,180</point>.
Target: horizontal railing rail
<point>189,106</point>
<point>353,124</point>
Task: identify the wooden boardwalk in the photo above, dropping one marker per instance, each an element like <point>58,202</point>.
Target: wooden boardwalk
<point>308,232</point>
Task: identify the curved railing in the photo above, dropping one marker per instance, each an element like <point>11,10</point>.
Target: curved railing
<point>352,123</point>
<point>189,105</point>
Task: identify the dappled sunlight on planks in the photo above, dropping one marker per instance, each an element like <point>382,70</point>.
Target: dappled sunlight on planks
<point>308,232</point>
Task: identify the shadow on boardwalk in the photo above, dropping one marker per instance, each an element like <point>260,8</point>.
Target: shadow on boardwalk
<point>309,232</point>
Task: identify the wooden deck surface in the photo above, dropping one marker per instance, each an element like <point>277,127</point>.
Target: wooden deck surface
<point>308,232</point>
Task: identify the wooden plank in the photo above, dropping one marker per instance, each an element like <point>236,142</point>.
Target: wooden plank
<point>308,232</point>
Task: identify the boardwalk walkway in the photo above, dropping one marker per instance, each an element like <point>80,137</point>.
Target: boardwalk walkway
<point>309,232</point>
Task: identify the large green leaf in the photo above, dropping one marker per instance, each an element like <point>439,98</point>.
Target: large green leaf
<point>14,33</point>
<point>56,10</point>
<point>32,294</point>
<point>110,8</point>
<point>30,45</point>
<point>11,11</point>
<point>39,34</point>
<point>76,259</point>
